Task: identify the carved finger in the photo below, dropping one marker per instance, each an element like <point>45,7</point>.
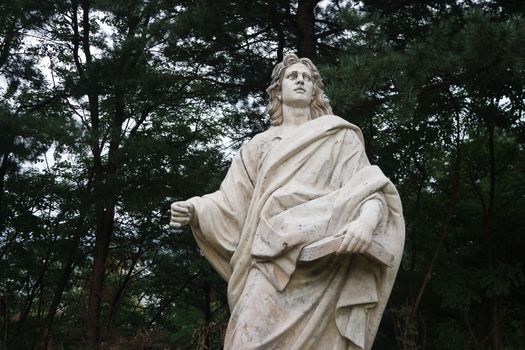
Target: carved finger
<point>364,247</point>
<point>352,245</point>
<point>359,245</point>
<point>179,211</point>
<point>174,224</point>
<point>181,220</point>
<point>344,243</point>
<point>177,220</point>
<point>177,207</point>
<point>179,216</point>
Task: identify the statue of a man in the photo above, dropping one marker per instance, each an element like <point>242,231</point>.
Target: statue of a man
<point>304,179</point>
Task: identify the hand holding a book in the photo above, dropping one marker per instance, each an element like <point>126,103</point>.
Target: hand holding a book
<point>358,233</point>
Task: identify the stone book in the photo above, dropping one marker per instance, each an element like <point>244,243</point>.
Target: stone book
<point>329,245</point>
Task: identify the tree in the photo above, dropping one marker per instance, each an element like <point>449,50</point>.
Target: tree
<point>112,109</point>
<point>437,78</point>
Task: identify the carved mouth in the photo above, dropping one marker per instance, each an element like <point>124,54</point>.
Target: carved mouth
<point>300,89</point>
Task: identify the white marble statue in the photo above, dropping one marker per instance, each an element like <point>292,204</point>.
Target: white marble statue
<point>304,179</point>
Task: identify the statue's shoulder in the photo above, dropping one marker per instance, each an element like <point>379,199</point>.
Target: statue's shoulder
<point>260,142</point>
<point>334,121</point>
<point>264,135</point>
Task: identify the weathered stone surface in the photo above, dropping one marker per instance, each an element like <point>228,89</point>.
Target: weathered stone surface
<point>305,179</point>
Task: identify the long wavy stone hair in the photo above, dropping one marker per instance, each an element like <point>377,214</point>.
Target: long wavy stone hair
<point>319,105</point>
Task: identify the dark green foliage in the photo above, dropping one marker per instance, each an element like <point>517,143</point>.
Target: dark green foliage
<point>151,110</point>
<point>439,90</point>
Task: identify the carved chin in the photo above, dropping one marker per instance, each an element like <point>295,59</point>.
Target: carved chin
<point>297,102</point>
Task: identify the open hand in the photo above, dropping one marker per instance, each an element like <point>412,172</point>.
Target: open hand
<point>358,235</point>
<point>182,213</point>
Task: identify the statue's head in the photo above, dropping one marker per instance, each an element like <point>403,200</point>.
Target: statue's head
<point>318,106</point>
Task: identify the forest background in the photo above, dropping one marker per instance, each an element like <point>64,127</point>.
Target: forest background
<point>110,110</point>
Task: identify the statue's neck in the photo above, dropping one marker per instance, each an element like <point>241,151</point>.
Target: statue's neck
<point>295,116</point>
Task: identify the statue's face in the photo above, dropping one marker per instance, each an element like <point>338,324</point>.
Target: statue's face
<point>297,86</point>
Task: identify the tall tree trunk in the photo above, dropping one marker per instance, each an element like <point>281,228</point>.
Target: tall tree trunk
<point>104,207</point>
<point>105,219</point>
<point>105,203</point>
<point>277,23</point>
<point>497,341</point>
<point>305,20</point>
<point>105,172</point>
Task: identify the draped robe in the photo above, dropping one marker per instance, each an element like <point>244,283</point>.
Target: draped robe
<point>281,193</point>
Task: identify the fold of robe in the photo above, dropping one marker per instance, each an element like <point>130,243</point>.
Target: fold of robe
<point>280,194</point>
